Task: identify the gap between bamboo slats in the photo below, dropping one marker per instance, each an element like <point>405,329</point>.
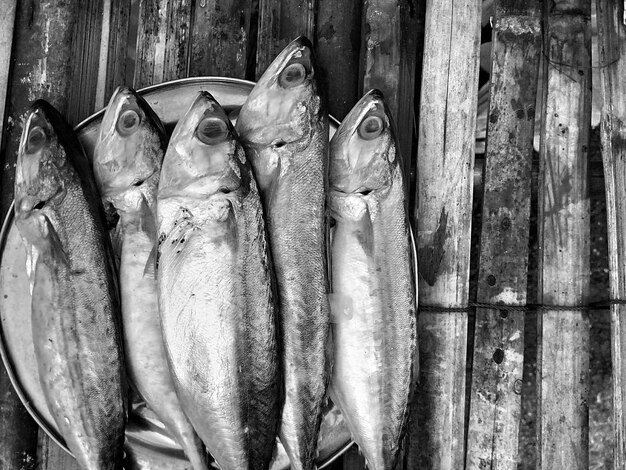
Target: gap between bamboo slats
<point>495,395</point>
<point>612,59</point>
<point>564,231</point>
<point>445,157</point>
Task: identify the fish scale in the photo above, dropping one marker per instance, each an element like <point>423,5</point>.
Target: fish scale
<point>215,290</point>
<point>373,283</point>
<point>284,127</point>
<point>75,309</point>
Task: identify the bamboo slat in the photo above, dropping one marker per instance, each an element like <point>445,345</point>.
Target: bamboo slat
<point>495,396</point>
<point>279,23</point>
<point>445,158</point>
<point>612,57</point>
<point>338,40</point>
<point>564,231</point>
<point>163,40</point>
<point>7,21</point>
<point>85,47</point>
<point>115,35</point>
<point>220,38</point>
<point>389,54</point>
<point>51,457</point>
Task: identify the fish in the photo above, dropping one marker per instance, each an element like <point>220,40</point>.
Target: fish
<point>216,291</point>
<point>283,125</point>
<point>373,299</point>
<point>127,164</point>
<point>75,302</point>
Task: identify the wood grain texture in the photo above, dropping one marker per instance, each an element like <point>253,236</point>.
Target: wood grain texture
<point>220,38</point>
<point>388,58</point>
<point>85,59</point>
<point>51,457</point>
<point>7,21</point>
<point>114,42</point>
<point>163,41</point>
<point>445,157</point>
<point>495,395</point>
<point>612,55</point>
<point>338,43</point>
<point>564,231</point>
<point>279,23</point>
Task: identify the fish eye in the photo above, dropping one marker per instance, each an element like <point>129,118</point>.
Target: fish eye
<point>36,139</point>
<point>212,130</point>
<point>293,75</point>
<point>371,127</point>
<point>128,122</point>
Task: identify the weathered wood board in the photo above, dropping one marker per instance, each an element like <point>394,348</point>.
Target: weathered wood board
<point>495,396</point>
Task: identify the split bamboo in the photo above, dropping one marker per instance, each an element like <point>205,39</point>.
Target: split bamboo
<point>564,231</point>
<point>495,395</point>
<point>445,157</point>
<point>612,57</point>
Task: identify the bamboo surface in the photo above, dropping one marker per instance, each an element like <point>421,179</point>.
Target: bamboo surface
<point>564,231</point>
<point>389,54</point>
<point>7,21</point>
<point>495,396</point>
<point>612,56</point>
<point>445,156</point>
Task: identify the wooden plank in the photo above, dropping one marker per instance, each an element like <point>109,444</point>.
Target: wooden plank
<point>163,40</point>
<point>279,23</point>
<point>113,44</point>
<point>612,57</point>
<point>564,231</point>
<point>7,21</point>
<point>220,38</point>
<point>51,457</point>
<point>495,396</point>
<point>445,156</point>
<point>338,42</point>
<point>389,54</point>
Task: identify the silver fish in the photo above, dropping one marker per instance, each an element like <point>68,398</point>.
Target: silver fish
<point>127,164</point>
<point>215,290</point>
<point>373,286</point>
<point>284,127</point>
<point>75,307</point>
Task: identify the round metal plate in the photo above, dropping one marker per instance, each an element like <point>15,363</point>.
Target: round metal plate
<point>148,444</point>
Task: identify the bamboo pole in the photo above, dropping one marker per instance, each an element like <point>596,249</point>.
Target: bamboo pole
<point>163,41</point>
<point>612,54</point>
<point>220,38</point>
<point>445,157</point>
<point>389,55</point>
<point>51,457</point>
<point>279,23</point>
<point>495,396</point>
<point>564,230</point>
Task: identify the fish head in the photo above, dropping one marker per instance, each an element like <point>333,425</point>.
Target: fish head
<point>363,156</point>
<point>42,162</point>
<point>284,107</point>
<point>204,159</point>
<point>128,155</point>
<point>363,151</point>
